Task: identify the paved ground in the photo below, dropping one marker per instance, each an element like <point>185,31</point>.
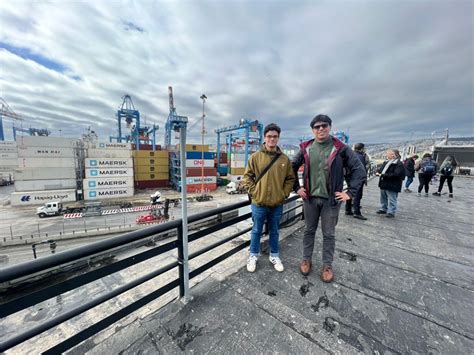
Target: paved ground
<point>402,286</point>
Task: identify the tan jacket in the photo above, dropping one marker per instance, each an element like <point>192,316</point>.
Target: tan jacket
<point>275,186</point>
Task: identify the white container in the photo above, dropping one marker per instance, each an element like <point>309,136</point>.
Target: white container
<point>108,163</point>
<point>198,180</point>
<point>197,163</point>
<point>109,173</point>
<point>101,194</point>
<point>45,173</point>
<point>35,141</point>
<point>234,178</point>
<point>46,162</point>
<point>238,156</point>
<point>4,144</point>
<point>103,183</point>
<point>9,162</point>
<point>45,152</point>
<point>237,164</point>
<point>8,149</point>
<point>43,185</point>
<point>6,155</point>
<point>108,145</point>
<point>108,153</point>
<point>29,198</point>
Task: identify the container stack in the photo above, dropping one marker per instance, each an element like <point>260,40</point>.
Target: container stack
<point>223,168</point>
<point>8,160</point>
<point>151,168</point>
<point>237,163</point>
<point>196,160</point>
<point>47,170</point>
<point>108,171</point>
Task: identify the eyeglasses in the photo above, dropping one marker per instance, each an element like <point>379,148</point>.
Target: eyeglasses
<point>317,127</point>
<point>271,136</point>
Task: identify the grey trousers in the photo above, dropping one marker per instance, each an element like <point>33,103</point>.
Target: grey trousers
<point>314,208</point>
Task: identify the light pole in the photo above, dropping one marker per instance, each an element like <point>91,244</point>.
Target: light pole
<point>203,131</point>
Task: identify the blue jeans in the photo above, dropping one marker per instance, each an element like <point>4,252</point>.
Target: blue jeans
<point>388,200</point>
<point>408,182</point>
<point>272,215</point>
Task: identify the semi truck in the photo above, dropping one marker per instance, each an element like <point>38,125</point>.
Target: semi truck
<point>56,208</point>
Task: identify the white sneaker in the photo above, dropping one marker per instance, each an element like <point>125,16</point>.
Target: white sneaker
<point>252,263</point>
<point>276,261</point>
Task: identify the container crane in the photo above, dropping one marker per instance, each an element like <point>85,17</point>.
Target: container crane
<point>174,120</point>
<point>7,112</point>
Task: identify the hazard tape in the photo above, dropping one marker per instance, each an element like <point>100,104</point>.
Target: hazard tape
<point>117,211</point>
<point>72,215</point>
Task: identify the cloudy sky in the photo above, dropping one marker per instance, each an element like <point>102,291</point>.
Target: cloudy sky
<point>382,70</point>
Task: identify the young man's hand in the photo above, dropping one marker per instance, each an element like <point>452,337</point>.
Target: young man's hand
<point>342,196</point>
<point>302,192</point>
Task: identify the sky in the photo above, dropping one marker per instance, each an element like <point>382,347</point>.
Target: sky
<point>382,70</point>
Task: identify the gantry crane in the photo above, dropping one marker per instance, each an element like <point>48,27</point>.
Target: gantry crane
<point>6,111</point>
<point>174,120</point>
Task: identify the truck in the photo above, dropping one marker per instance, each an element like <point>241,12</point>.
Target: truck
<point>56,208</point>
<point>235,187</point>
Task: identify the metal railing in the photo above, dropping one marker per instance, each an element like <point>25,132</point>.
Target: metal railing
<point>12,304</point>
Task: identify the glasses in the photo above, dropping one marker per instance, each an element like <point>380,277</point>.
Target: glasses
<point>271,136</point>
<point>317,127</point>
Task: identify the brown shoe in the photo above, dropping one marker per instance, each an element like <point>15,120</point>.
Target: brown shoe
<point>327,274</point>
<point>305,267</point>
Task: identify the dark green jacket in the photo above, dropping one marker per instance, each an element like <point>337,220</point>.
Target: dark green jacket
<point>275,186</point>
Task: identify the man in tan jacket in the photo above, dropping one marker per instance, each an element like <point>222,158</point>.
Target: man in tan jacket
<point>268,192</point>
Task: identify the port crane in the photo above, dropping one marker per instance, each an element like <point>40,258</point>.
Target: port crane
<point>174,120</point>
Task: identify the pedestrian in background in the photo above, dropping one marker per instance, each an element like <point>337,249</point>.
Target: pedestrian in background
<point>392,173</point>
<point>447,174</point>
<point>410,171</point>
<point>426,168</point>
<point>364,159</point>
<point>269,179</point>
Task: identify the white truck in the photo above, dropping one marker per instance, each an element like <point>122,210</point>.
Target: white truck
<point>56,208</point>
<point>235,187</point>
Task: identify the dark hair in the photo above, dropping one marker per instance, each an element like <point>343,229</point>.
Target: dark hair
<point>271,127</point>
<point>359,146</point>
<point>415,156</point>
<point>397,152</point>
<point>426,155</point>
<point>320,118</point>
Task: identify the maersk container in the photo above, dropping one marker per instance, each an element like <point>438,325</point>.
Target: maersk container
<point>44,173</point>
<point>45,152</point>
<point>198,155</point>
<point>195,163</point>
<point>46,162</point>
<point>108,145</point>
<point>198,180</point>
<point>100,194</point>
<point>102,183</point>
<point>36,141</point>
<point>109,173</point>
<point>29,198</point>
<point>43,185</point>
<point>108,163</point>
<point>108,153</point>
<point>8,155</point>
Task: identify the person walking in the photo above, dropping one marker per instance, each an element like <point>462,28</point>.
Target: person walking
<point>364,159</point>
<point>269,179</point>
<point>324,158</point>
<point>426,168</point>
<point>410,171</point>
<point>392,173</point>
<point>447,174</point>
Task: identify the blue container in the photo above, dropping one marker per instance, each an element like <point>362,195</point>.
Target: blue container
<point>222,170</point>
<point>198,155</point>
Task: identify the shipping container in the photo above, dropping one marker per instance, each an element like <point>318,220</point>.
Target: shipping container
<point>44,173</point>
<point>151,184</point>
<point>46,162</point>
<point>37,141</point>
<point>150,154</point>
<point>7,144</point>
<point>146,147</point>
<point>195,147</point>
<point>102,194</point>
<point>237,164</point>
<point>234,178</point>
<point>29,198</point>
<point>43,185</point>
<point>45,152</point>
<point>198,155</point>
<point>238,156</point>
<point>198,180</point>
<point>108,145</point>
<point>108,153</point>
<point>222,170</point>
<point>6,155</point>
<point>151,176</point>
<point>151,161</point>
<point>8,149</point>
<point>107,173</point>
<point>194,163</point>
<point>101,183</point>
<point>150,169</point>
<point>198,188</point>
<point>199,172</point>
<point>237,171</point>
<point>108,163</point>
<point>9,162</point>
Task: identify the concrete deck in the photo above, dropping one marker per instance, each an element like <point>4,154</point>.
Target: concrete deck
<point>402,285</point>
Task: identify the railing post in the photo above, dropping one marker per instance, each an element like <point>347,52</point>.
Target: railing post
<point>180,260</point>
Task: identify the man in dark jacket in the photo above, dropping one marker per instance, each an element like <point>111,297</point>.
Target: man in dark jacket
<point>410,171</point>
<point>392,173</point>
<point>324,158</point>
<point>364,159</point>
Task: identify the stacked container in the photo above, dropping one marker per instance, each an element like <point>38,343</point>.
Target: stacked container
<point>108,171</point>
<point>151,168</point>
<point>8,160</point>
<point>237,163</point>
<point>223,168</point>
<point>46,170</point>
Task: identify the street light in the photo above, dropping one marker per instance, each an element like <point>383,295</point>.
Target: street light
<point>203,131</point>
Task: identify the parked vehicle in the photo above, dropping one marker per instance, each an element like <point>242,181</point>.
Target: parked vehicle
<point>56,208</point>
<point>233,188</point>
<point>155,215</point>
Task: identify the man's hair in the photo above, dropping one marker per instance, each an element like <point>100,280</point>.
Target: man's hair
<point>320,118</point>
<point>415,156</point>
<point>426,155</point>
<point>359,147</point>
<point>271,127</point>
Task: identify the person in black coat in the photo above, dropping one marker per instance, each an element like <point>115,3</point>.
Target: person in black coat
<point>392,173</point>
<point>364,159</point>
<point>410,171</point>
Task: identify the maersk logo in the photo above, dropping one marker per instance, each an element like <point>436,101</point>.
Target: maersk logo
<point>92,194</point>
<point>94,173</point>
<point>102,145</point>
<point>93,162</point>
<point>25,198</point>
<point>92,183</point>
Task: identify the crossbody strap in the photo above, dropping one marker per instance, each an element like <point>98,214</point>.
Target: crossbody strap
<point>267,168</point>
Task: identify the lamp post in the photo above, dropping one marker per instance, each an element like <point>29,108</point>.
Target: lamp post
<point>203,131</point>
